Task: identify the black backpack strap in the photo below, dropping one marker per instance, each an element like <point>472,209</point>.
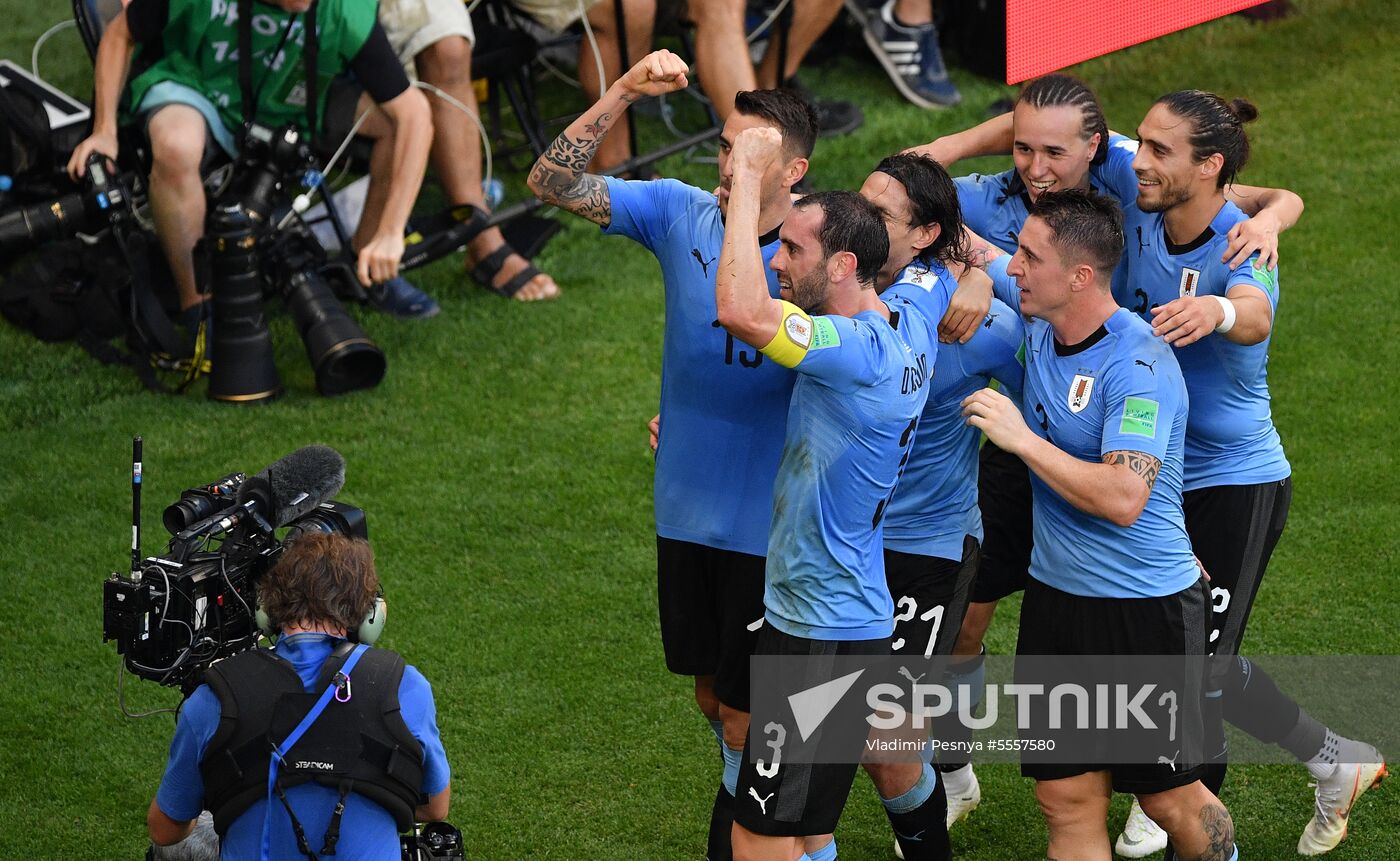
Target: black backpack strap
<point>245,58</point>
<point>310,55</point>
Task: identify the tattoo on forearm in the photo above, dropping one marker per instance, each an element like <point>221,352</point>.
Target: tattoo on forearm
<point>560,176</point>
<point>1145,465</point>
<point>980,256</point>
<point>1220,832</point>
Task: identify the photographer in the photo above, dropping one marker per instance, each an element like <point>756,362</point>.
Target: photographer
<point>341,789</point>
<point>192,93</point>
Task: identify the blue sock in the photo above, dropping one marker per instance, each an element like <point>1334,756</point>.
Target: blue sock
<point>975,677</point>
<point>731,757</point>
<point>826,853</point>
<point>950,728</point>
<point>916,795</point>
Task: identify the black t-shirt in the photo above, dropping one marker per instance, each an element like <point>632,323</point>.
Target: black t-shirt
<point>376,67</point>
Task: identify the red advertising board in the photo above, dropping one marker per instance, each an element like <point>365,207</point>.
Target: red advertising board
<point>1045,35</point>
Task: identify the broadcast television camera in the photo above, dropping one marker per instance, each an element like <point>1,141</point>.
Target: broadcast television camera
<point>177,613</point>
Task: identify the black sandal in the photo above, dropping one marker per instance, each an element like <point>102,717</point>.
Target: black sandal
<point>488,267</point>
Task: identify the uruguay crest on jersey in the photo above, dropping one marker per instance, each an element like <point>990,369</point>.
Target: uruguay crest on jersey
<point>1190,282</point>
<point>1079,391</point>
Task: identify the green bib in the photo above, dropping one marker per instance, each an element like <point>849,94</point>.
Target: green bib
<point>199,48</point>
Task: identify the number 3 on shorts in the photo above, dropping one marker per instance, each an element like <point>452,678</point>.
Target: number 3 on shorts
<point>766,770</point>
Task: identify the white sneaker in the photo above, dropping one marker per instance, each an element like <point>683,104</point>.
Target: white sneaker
<point>965,799</point>
<point>1141,836</point>
<point>1335,797</point>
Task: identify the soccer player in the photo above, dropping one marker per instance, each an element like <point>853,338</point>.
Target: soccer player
<point>933,527</point>
<point>1219,319</point>
<point>862,366</point>
<point>1102,429</point>
<point>1059,139</point>
<point>725,404</point>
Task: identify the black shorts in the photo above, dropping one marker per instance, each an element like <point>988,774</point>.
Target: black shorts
<point>1058,623</point>
<point>799,799</point>
<point>930,596</point>
<point>1004,497</point>
<point>711,604</point>
<point>1233,530</point>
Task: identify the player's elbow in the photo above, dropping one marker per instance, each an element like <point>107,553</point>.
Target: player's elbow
<point>1128,506</point>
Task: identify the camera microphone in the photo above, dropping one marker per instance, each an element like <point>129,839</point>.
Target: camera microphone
<point>297,483</point>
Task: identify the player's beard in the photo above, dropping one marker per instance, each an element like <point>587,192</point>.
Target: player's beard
<point>810,291</point>
<point>1167,197</point>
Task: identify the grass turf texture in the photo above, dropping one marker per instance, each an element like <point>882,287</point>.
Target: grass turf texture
<point>504,469</point>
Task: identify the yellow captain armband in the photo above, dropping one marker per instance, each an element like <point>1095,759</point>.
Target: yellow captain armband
<point>799,333</point>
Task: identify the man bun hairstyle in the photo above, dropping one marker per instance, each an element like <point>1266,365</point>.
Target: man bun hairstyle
<point>851,223</point>
<point>792,115</point>
<point>1085,227</point>
<point>933,199</point>
<point>1053,91</point>
<point>1217,126</point>
<point>320,578</point>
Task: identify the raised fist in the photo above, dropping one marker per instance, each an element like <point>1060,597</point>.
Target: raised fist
<point>757,148</point>
<point>655,74</point>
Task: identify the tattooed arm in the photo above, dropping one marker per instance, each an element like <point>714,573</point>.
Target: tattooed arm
<point>1116,489</point>
<point>560,176</point>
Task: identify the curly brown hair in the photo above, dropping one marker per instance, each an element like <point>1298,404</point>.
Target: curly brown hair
<point>320,578</point>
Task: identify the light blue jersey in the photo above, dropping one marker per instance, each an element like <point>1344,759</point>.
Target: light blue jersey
<point>723,404</point>
<point>935,506</point>
<point>1230,435</point>
<point>1119,390</point>
<point>862,384</point>
<point>995,205</point>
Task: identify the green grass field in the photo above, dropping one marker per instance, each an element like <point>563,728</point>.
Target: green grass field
<point>504,468</point>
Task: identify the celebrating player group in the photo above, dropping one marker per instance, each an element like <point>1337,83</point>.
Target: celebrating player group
<point>1101,314</point>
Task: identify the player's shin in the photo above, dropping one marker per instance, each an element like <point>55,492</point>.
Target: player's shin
<point>918,818</point>
<point>722,814</point>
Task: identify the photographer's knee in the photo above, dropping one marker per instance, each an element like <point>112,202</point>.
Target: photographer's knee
<point>178,135</point>
<point>445,63</point>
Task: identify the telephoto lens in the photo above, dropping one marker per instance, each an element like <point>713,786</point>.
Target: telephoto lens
<point>341,354</point>
<point>31,226</point>
<point>243,369</point>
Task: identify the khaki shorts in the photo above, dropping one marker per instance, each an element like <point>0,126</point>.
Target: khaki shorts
<point>554,15</point>
<point>413,25</point>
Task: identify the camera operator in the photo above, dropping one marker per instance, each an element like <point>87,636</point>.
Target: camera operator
<point>322,591</point>
<point>188,93</point>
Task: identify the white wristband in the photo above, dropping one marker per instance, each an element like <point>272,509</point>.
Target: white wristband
<point>1228,309</point>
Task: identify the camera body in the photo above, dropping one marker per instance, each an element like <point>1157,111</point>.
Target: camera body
<point>104,199</point>
<point>195,604</point>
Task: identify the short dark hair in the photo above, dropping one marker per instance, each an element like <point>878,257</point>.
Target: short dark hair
<point>1052,91</point>
<point>320,577</point>
<point>933,199</point>
<point>1084,227</point>
<point>1217,126</point>
<point>788,111</point>
<point>851,223</point>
